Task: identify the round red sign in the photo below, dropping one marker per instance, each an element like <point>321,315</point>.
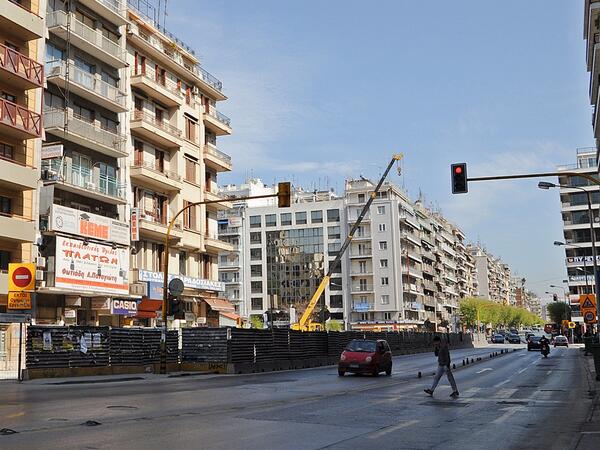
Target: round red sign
<point>22,277</point>
<point>589,316</point>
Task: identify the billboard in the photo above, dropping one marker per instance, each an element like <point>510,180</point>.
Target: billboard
<point>96,268</point>
<point>85,224</point>
<point>188,282</point>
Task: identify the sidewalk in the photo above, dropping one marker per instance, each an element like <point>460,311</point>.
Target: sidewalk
<point>590,429</point>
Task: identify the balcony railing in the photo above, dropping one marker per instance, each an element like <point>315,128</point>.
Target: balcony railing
<point>366,252</point>
<point>210,79</point>
<point>92,36</point>
<point>116,6</point>
<point>165,83</point>
<point>155,168</point>
<point>362,288</point>
<point>219,116</point>
<point>86,80</point>
<point>20,117</point>
<point>21,65</point>
<point>211,150</point>
<point>162,124</point>
<point>87,130</point>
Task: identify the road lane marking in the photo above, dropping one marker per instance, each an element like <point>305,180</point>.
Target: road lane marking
<point>549,372</point>
<point>523,370</point>
<point>392,428</point>
<point>504,393</point>
<point>470,392</point>
<point>484,370</point>
<point>508,414</point>
<point>500,384</point>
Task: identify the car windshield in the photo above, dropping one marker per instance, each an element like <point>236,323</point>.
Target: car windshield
<point>535,338</point>
<point>561,338</point>
<point>361,346</point>
<point>499,336</point>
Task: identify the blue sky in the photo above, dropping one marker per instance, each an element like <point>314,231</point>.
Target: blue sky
<point>324,90</point>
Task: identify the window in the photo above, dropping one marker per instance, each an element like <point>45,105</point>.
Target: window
<point>255,222</point>
<point>9,97</point>
<point>334,232</point>
<point>255,254</point>
<point>316,217</point>
<point>286,219</point>
<point>385,299</point>
<point>189,216</point>
<point>53,53</point>
<point>335,284</point>
<point>383,263</point>
<point>6,151</point>
<point>191,129</point>
<point>334,247</point>
<point>387,316</point>
<point>270,220</point>
<point>381,210</point>
<point>255,237</point>
<point>256,270</point>
<point>257,303</point>
<point>53,101</point>
<point>382,227</point>
<point>182,263</point>
<point>333,215</point>
<point>256,287</point>
<point>301,218</point>
<point>382,245</point>
<point>362,267</point>
<point>361,198</point>
<point>83,113</point>
<point>4,259</point>
<point>5,205</point>
<point>190,170</point>
<point>385,281</point>
<point>157,252</point>
<point>335,301</point>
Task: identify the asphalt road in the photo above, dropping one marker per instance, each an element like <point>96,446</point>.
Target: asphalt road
<point>518,400</point>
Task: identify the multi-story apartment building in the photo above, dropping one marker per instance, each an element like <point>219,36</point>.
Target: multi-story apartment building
<point>493,276</point>
<point>21,81</point>
<point>174,161</point>
<point>591,34</point>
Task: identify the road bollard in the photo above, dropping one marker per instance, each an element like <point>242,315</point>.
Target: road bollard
<point>463,362</point>
<point>472,361</point>
<point>419,375</point>
<point>454,366</point>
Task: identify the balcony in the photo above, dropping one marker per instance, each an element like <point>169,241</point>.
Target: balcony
<point>163,90</point>
<point>229,265</point>
<point>154,227</point>
<point>16,174</point>
<point>19,70</point>
<point>17,228</point>
<point>115,11</point>
<point>83,181</point>
<point>364,253</point>
<point>361,288</point>
<point>230,231</point>
<point>87,85</point>
<point>219,123</point>
<point>214,245</point>
<point>88,39</point>
<point>356,272</point>
<point>364,236</point>
<point>214,196</point>
<point>413,272</point>
<point>216,158</point>
<point>21,19</point>
<point>84,133</point>
<point>18,122</point>
<point>151,175</point>
<point>157,131</point>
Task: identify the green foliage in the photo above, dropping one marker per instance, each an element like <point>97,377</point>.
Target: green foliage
<point>473,310</point>
<point>335,325</point>
<point>558,311</point>
<point>256,321</point>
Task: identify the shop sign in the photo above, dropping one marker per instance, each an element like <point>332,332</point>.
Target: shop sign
<point>190,316</point>
<point>91,267</point>
<point>188,282</point>
<point>19,300</point>
<point>123,307</point>
<point>576,278</point>
<point>81,223</point>
<point>70,314</point>
<point>134,223</point>
<point>201,320</point>
<point>155,290</point>
<point>15,318</point>
<point>235,222</point>
<point>581,259</point>
<point>362,306</point>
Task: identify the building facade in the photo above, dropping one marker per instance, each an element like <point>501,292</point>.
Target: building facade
<point>591,34</point>
<point>493,276</point>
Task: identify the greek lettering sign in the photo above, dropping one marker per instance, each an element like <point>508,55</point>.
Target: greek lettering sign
<point>96,268</point>
<point>81,223</point>
<point>188,282</point>
<point>581,259</point>
<point>19,300</point>
<point>123,307</point>
<point>134,223</point>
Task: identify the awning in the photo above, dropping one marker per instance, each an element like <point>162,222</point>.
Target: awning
<point>147,308</point>
<point>219,304</point>
<point>232,316</point>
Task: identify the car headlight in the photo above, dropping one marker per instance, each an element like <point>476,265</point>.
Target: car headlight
<point>343,357</point>
<point>368,359</point>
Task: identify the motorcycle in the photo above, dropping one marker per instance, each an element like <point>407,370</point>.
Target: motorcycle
<point>545,350</point>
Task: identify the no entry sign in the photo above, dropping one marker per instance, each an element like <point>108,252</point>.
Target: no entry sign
<point>21,277</point>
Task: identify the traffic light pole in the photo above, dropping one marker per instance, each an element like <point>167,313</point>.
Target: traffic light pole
<point>593,237</point>
<point>165,263</point>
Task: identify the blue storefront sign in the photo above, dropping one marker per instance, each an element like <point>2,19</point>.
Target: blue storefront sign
<point>188,282</point>
<point>123,307</point>
<point>155,290</point>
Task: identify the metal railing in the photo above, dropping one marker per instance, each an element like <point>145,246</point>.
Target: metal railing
<point>20,117</point>
<point>25,67</point>
<point>165,83</point>
<point>86,80</point>
<point>94,37</point>
<point>154,168</point>
<point>55,118</point>
<point>361,288</point>
<point>162,124</point>
<point>211,150</point>
<point>212,111</point>
<point>115,6</point>
<point>366,253</point>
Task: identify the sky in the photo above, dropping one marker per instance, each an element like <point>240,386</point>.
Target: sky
<point>322,91</point>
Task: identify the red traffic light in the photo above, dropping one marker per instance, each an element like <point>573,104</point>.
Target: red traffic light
<point>459,178</point>
<point>458,170</point>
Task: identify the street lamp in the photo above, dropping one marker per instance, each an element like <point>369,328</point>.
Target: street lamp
<point>547,185</point>
<point>587,284</point>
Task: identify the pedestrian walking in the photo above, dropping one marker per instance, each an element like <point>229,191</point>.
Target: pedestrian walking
<point>441,350</point>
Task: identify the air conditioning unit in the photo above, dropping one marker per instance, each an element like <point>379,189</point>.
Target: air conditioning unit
<point>39,274</point>
<point>195,90</point>
<point>90,185</point>
<point>40,283</point>
<point>40,262</point>
<point>55,70</point>
<point>138,289</point>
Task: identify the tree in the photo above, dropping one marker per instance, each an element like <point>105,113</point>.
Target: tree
<point>558,311</point>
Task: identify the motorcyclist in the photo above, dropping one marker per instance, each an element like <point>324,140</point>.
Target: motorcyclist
<point>544,344</point>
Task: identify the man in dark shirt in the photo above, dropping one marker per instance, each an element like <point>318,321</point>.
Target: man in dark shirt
<point>441,350</point>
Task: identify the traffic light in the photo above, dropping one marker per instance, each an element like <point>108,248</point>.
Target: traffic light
<point>284,192</point>
<point>459,178</point>
<point>175,307</point>
<point>555,297</point>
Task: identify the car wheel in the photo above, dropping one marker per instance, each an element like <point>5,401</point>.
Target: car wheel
<point>388,372</point>
<point>341,373</point>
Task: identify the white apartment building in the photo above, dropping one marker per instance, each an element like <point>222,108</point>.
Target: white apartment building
<point>591,34</point>
<point>493,276</point>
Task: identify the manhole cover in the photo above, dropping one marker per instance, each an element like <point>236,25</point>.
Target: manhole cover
<point>121,407</point>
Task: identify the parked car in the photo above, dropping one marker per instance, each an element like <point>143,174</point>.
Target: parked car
<point>534,343</point>
<point>366,356</point>
<point>561,340</point>
<point>497,339</point>
<point>513,339</point>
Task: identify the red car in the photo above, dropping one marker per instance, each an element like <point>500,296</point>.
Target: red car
<point>366,356</point>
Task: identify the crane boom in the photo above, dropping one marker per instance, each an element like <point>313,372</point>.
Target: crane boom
<point>302,323</point>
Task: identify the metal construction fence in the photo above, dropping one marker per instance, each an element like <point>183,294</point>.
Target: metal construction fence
<point>83,346</point>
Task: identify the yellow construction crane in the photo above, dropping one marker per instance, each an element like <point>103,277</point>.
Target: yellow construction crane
<point>305,323</point>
